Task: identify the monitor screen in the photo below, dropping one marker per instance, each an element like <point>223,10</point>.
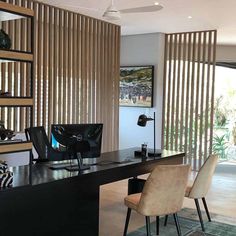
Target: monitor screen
<point>83,138</point>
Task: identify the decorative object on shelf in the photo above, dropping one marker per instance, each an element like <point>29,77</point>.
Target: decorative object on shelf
<point>5,133</point>
<point>136,86</point>
<point>6,176</point>
<point>142,121</point>
<point>4,94</point>
<point>5,41</point>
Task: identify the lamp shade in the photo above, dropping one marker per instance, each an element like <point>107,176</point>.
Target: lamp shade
<point>143,119</point>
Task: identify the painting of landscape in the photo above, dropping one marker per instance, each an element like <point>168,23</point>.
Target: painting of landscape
<point>136,84</point>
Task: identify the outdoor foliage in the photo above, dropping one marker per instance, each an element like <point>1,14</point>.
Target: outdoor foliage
<point>220,145</point>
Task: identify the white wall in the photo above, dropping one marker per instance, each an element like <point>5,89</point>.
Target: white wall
<point>144,49</point>
<point>226,53</point>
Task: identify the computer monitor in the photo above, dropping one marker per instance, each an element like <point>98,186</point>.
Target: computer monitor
<point>81,140</point>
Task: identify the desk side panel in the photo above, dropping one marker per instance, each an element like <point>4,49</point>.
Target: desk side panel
<point>58,208</point>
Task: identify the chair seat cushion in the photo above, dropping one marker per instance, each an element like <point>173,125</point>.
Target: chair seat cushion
<point>132,201</point>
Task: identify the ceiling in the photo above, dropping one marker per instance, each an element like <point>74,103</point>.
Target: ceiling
<point>206,14</point>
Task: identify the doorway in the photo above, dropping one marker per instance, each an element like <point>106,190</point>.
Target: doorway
<point>224,131</point>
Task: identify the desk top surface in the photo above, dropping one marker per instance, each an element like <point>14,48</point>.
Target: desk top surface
<point>42,174</point>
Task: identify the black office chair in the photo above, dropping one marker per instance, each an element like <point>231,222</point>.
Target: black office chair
<point>43,147</point>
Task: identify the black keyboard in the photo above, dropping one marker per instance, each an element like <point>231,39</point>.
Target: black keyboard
<point>60,166</point>
<point>108,162</point>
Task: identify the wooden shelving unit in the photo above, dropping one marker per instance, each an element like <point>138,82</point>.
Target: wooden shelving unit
<point>12,12</point>
<point>16,102</point>
<point>15,147</point>
<point>15,56</point>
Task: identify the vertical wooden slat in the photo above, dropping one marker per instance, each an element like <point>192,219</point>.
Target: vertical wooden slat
<point>70,93</point>
<point>183,88</point>
<point>168,87</point>
<point>11,76</point>
<point>75,69</point>
<point>35,78</point>
<point>55,67</point>
<point>79,70</point>
<point>187,94</point>
<point>178,84</point>
<point>213,88</point>
<point>51,69</point>
<point>20,122</point>
<point>109,80</point>
<point>39,64</point>
<point>173,82</point>
<point>113,94</point>
<point>203,98</point>
<point>64,88</point>
<point>89,81</point>
<point>83,70</point>
<point>164,90</point>
<point>207,94</point>
<point>86,69</point>
<point>60,68</point>
<point>105,80</point>
<point>98,77</point>
<point>94,56</point>
<point>45,68</point>
<point>199,45</point>
<point>192,101</point>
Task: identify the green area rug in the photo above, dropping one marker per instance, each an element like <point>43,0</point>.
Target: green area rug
<point>190,226</point>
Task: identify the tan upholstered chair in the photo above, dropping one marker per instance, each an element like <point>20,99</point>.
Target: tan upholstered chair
<point>201,185</point>
<point>199,188</point>
<point>163,193</point>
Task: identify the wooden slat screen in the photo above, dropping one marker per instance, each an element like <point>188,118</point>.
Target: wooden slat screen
<point>76,70</point>
<point>188,103</point>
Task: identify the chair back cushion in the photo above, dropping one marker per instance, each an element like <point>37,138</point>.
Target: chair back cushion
<point>39,139</point>
<point>164,190</point>
<point>203,180</point>
<point>42,145</point>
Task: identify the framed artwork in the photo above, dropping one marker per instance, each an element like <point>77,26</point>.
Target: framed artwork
<point>136,86</point>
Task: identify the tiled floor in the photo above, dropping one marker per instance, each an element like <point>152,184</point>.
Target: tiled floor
<point>221,200</point>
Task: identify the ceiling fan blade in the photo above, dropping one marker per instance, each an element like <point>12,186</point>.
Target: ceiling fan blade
<point>151,8</point>
<point>70,6</point>
<point>89,8</point>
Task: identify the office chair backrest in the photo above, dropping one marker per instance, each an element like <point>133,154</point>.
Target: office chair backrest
<point>164,190</point>
<point>203,180</point>
<point>40,141</point>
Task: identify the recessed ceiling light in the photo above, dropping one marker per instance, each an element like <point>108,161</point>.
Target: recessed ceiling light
<point>156,3</point>
<point>190,17</point>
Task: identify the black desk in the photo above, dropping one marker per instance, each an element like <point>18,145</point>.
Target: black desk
<point>63,203</point>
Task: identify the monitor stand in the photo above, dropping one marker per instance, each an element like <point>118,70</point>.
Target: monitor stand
<point>80,166</point>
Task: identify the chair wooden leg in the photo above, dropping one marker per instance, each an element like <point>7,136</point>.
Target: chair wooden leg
<point>127,221</point>
<point>199,214</point>
<point>177,224</point>
<point>157,225</point>
<point>166,219</point>
<point>148,226</point>
<point>206,209</point>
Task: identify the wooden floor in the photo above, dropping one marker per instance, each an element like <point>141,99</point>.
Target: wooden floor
<point>221,200</point>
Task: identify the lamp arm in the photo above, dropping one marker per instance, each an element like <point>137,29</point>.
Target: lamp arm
<point>154,131</point>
